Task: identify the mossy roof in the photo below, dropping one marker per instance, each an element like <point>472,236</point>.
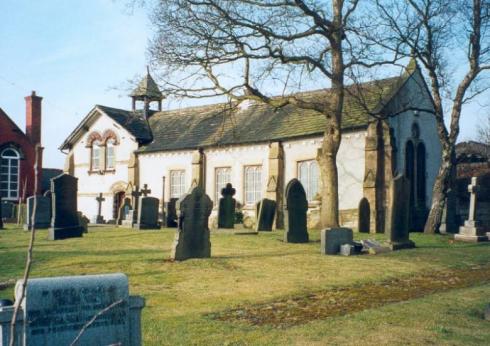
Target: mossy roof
<point>147,87</point>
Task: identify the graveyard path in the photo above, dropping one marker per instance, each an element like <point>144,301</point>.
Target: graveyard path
<point>340,301</point>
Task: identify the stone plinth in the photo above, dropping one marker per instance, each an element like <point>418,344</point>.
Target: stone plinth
<point>471,232</point>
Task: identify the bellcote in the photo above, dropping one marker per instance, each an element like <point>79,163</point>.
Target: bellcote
<point>147,91</point>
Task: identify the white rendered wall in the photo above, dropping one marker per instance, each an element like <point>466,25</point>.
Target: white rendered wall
<point>91,184</point>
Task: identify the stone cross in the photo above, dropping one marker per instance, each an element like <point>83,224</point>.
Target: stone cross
<point>145,191</point>
<point>229,190</point>
<point>473,189</point>
<point>136,195</point>
<point>99,200</point>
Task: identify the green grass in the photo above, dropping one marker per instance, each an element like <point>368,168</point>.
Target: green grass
<point>252,269</point>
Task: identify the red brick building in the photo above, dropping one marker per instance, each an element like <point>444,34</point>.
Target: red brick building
<point>18,152</point>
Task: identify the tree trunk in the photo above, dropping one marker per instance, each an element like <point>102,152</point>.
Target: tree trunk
<point>327,159</point>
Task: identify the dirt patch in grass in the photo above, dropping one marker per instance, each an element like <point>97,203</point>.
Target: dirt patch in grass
<point>339,301</point>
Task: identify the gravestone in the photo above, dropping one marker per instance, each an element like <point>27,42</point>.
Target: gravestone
<point>136,198</point>
<point>296,206</point>
<point>99,219</point>
<point>124,210</point>
<point>147,213</point>
<point>398,229</point>
<point>364,216</point>
<point>64,221</point>
<point>83,221</point>
<point>226,208</point>
<point>192,236</point>
<point>8,210</point>
<point>266,210</point>
<point>56,310</point>
<point>43,212</point>
<point>172,212</point>
<point>333,238</point>
<point>472,231</point>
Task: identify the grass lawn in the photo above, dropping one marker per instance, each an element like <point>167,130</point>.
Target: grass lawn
<point>247,270</point>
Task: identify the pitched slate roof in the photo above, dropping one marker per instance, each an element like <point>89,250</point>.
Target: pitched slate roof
<point>222,124</point>
<point>134,122</point>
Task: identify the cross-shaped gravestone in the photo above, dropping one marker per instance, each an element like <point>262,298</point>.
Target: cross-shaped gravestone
<point>473,189</point>
<point>145,191</point>
<point>99,200</point>
<point>226,207</point>
<point>136,195</point>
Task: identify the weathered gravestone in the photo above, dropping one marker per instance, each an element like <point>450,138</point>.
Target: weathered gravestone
<point>226,208</point>
<point>333,238</point>
<point>43,212</point>
<point>99,218</point>
<point>364,216</point>
<point>64,221</point>
<point>296,206</point>
<point>147,213</point>
<point>56,310</point>
<point>472,231</point>
<point>266,210</point>
<point>192,236</point>
<point>8,210</point>
<point>172,212</point>
<point>398,231</point>
<point>123,211</point>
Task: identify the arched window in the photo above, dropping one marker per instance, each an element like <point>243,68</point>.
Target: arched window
<point>95,156</point>
<point>9,173</point>
<point>110,154</point>
<point>309,176</point>
<point>421,174</point>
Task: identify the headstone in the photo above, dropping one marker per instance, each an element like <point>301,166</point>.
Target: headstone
<point>147,213</point>
<point>64,223</point>
<point>91,309</point>
<point>266,210</point>
<point>8,210</point>
<point>83,221</point>
<point>172,212</point>
<point>333,238</point>
<point>364,216</point>
<point>398,229</point>
<point>136,198</point>
<point>472,230</point>
<point>296,206</point>
<point>43,212</point>
<point>192,236</point>
<point>99,219</point>
<point>123,211</point>
<point>226,209</point>
<point>145,191</point>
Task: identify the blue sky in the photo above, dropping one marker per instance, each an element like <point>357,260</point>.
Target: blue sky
<point>76,54</point>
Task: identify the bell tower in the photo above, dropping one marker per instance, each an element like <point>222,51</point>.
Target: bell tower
<point>147,91</point>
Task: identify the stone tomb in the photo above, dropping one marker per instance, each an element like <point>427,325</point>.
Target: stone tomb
<point>64,223</point>
<point>472,231</point>
<point>399,210</point>
<point>147,213</point>
<point>266,210</point>
<point>333,238</point>
<point>296,206</point>
<point>192,236</point>
<point>226,208</point>
<point>43,212</point>
<point>55,310</point>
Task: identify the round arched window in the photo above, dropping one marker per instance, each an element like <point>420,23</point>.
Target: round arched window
<point>9,173</point>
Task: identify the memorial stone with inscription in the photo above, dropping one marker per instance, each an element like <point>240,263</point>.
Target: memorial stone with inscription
<point>192,237</point>
<point>64,223</point>
<point>147,213</point>
<point>296,206</point>
<point>266,210</point>
<point>398,228</point>
<point>55,310</point>
<point>43,212</point>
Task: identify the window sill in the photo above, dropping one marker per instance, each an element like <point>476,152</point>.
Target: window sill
<point>102,172</point>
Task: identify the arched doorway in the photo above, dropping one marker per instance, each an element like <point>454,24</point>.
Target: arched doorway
<point>118,200</point>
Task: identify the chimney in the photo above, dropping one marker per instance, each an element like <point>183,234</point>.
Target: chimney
<point>33,117</point>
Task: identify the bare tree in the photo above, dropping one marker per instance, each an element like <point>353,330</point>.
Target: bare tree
<point>483,131</point>
<point>200,43</point>
<point>444,36</point>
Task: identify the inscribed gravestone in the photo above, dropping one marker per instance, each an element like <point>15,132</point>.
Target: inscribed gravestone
<point>172,212</point>
<point>266,209</point>
<point>56,309</point>
<point>296,206</point>
<point>192,236</point>
<point>147,213</point>
<point>226,209</point>
<point>364,216</point>
<point>64,222</point>
<point>398,229</point>
<point>43,212</point>
<point>333,238</point>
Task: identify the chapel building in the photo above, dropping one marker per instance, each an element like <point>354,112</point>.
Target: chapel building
<point>259,149</point>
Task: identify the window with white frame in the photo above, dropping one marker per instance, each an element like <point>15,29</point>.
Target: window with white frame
<point>177,183</point>
<point>95,156</point>
<point>222,177</point>
<point>9,173</point>
<point>110,157</point>
<point>253,184</point>
<point>309,176</point>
